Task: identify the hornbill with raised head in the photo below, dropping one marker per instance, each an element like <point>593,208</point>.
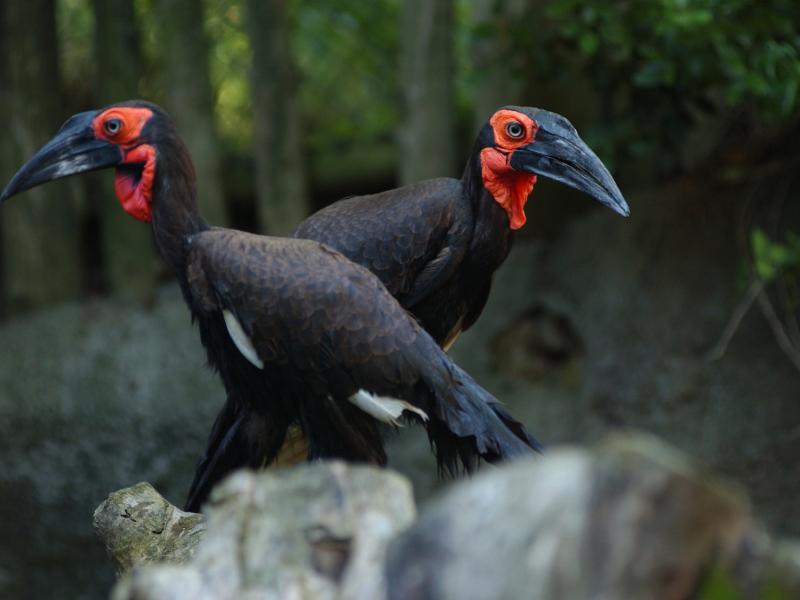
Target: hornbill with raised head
<point>297,332</point>
<point>436,244</point>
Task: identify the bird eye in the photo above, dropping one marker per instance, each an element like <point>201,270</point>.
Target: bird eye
<point>515,129</point>
<point>112,126</point>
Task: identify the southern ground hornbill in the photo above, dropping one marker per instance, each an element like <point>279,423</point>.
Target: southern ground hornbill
<point>298,333</point>
<point>436,244</point>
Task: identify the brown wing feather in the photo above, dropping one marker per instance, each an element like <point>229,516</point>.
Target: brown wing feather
<point>399,235</point>
<point>306,305</point>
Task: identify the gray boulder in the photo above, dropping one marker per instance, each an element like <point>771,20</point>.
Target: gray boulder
<point>632,521</point>
<point>319,531</point>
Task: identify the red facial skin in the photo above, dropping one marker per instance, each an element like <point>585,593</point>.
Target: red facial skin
<point>510,188</point>
<point>135,197</point>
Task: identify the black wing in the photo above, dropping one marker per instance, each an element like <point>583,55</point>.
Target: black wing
<point>326,329</point>
<point>302,304</point>
<point>413,238</point>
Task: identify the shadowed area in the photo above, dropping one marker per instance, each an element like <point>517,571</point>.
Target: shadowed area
<point>126,396</point>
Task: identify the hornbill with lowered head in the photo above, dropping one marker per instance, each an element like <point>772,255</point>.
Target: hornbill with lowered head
<point>436,244</point>
<point>297,332</point>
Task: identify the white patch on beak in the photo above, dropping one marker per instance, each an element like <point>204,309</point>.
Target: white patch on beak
<point>69,165</point>
<point>384,409</point>
<point>241,339</point>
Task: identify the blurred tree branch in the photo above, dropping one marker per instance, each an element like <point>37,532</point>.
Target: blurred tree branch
<point>769,261</point>
<point>753,291</point>
<point>778,330</point>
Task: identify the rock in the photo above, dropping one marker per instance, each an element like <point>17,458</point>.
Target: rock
<point>313,532</point>
<point>95,397</point>
<point>138,526</point>
<point>632,521</point>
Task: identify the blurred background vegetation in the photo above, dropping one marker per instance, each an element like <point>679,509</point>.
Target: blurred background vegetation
<point>289,105</point>
<point>682,320</point>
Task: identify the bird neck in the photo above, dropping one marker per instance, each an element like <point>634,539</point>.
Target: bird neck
<point>175,215</point>
<point>492,236</point>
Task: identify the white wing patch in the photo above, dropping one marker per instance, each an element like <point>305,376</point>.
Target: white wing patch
<point>384,409</point>
<point>241,339</point>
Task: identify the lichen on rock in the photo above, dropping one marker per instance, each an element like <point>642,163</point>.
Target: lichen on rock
<point>138,526</point>
<point>318,531</point>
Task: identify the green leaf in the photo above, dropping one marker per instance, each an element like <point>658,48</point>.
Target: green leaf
<point>762,255</point>
<point>588,42</point>
<point>718,586</point>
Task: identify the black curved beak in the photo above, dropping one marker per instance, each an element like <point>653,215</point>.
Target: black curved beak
<point>557,152</point>
<point>73,150</point>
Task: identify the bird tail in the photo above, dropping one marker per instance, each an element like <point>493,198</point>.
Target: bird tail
<point>240,438</point>
<point>470,423</point>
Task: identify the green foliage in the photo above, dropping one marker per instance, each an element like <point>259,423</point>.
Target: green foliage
<point>75,26</point>
<point>657,64</point>
<point>347,55</point>
<point>771,258</point>
<point>718,586</point>
<point>229,64</point>
<point>150,85</point>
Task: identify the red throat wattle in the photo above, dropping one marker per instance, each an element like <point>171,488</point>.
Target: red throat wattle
<point>135,190</point>
<point>134,178</point>
<point>510,188</point>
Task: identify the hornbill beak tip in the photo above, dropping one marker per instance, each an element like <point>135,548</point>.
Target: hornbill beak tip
<point>557,152</point>
<point>74,149</point>
<point>616,202</point>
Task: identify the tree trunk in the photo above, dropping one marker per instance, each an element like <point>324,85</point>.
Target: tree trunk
<point>492,56</point>
<point>281,190</point>
<point>40,233</point>
<point>427,140</point>
<point>189,97</point>
<point>127,248</point>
